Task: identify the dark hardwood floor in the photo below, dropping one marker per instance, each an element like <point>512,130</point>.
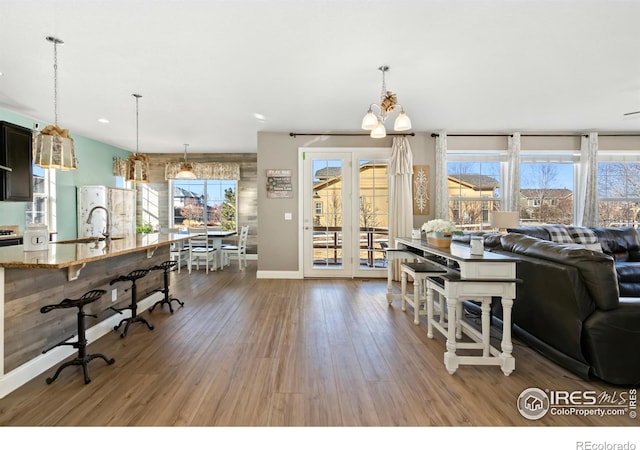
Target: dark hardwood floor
<point>310,353</point>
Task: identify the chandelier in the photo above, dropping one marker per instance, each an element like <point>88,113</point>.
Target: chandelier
<point>186,169</point>
<point>388,103</point>
<point>53,147</point>
<point>137,164</point>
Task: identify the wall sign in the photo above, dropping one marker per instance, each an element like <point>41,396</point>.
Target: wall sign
<point>279,183</point>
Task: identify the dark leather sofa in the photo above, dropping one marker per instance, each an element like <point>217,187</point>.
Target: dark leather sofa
<point>622,244</point>
<point>569,308</point>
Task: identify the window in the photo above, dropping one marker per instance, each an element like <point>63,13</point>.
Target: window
<point>547,187</point>
<point>618,190</point>
<point>318,208</point>
<point>40,210</point>
<point>474,187</point>
<point>204,202</point>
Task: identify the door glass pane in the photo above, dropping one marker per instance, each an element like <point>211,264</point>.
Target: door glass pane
<point>327,218</point>
<point>373,209</point>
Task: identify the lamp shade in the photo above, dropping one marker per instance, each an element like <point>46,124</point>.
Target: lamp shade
<point>186,172</point>
<point>369,121</point>
<point>379,131</point>
<point>138,168</point>
<point>52,151</point>
<point>504,219</point>
<point>402,122</point>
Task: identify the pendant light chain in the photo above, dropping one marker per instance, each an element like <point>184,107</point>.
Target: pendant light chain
<point>55,82</point>
<point>383,69</point>
<point>137,96</point>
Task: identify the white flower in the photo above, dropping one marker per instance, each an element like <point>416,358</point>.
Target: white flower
<point>438,225</point>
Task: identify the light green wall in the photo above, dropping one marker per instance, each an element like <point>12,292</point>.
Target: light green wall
<point>95,162</point>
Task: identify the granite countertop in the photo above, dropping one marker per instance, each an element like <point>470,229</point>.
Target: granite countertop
<point>70,253</point>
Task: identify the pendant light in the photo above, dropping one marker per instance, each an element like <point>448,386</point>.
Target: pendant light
<point>53,147</point>
<point>186,170</point>
<point>137,164</point>
<point>388,103</point>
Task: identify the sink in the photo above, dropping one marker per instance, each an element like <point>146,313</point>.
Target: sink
<point>88,240</point>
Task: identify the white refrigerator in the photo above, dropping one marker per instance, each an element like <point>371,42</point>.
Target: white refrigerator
<point>121,204</point>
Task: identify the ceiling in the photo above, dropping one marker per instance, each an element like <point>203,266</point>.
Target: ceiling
<point>214,73</point>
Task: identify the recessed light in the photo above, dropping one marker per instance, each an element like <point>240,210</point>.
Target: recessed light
<point>103,120</point>
<point>1,74</point>
<point>259,117</point>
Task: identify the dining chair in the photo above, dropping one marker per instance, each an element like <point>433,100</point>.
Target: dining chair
<point>239,250</point>
<point>178,251</point>
<point>200,248</point>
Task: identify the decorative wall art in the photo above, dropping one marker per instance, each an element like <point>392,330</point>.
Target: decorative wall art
<point>279,183</point>
<point>421,190</point>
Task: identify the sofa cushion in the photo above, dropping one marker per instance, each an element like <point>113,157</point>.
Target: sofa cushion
<point>596,269</point>
<point>628,278</point>
<point>534,231</point>
<point>621,243</point>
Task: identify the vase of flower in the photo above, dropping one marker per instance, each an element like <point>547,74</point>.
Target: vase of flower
<point>439,232</point>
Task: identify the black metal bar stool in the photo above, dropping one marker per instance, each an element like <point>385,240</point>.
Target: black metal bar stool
<point>131,276</point>
<point>167,266</point>
<point>83,358</point>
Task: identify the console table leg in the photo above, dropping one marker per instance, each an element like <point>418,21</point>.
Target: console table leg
<point>389,280</point>
<point>429,312</point>
<point>486,326</point>
<point>416,300</point>
<point>508,362</point>
<point>450,357</point>
<point>403,290</point>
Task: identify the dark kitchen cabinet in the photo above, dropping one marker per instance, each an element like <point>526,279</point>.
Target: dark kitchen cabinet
<point>16,147</point>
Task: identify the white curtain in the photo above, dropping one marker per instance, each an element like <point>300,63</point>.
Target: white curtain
<point>401,214</point>
<point>586,199</point>
<point>511,195</point>
<point>442,192</point>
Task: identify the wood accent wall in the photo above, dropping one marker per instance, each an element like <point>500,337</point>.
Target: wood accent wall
<point>247,193</point>
<point>28,331</point>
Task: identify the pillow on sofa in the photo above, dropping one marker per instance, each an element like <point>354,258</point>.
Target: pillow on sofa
<point>586,237</point>
<point>559,234</point>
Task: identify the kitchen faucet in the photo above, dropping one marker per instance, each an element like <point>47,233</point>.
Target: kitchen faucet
<point>107,232</point>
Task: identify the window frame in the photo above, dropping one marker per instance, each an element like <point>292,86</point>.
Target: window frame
<point>205,182</point>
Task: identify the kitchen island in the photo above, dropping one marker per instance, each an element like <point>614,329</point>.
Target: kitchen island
<point>30,280</point>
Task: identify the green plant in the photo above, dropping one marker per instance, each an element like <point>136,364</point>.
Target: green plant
<point>144,229</point>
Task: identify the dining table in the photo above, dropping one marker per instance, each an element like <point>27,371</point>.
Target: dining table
<point>215,239</point>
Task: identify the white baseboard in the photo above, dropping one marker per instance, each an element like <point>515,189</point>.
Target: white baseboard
<point>31,369</point>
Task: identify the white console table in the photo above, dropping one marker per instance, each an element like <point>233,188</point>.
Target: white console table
<point>469,277</point>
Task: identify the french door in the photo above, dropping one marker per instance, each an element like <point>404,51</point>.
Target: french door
<point>345,204</point>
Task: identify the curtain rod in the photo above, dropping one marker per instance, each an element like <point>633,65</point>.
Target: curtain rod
<point>346,134</point>
<point>535,135</point>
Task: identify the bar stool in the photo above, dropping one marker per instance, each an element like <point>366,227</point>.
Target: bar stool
<point>167,266</point>
<point>391,255</point>
<point>83,359</point>
<point>131,276</point>
<point>420,272</point>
